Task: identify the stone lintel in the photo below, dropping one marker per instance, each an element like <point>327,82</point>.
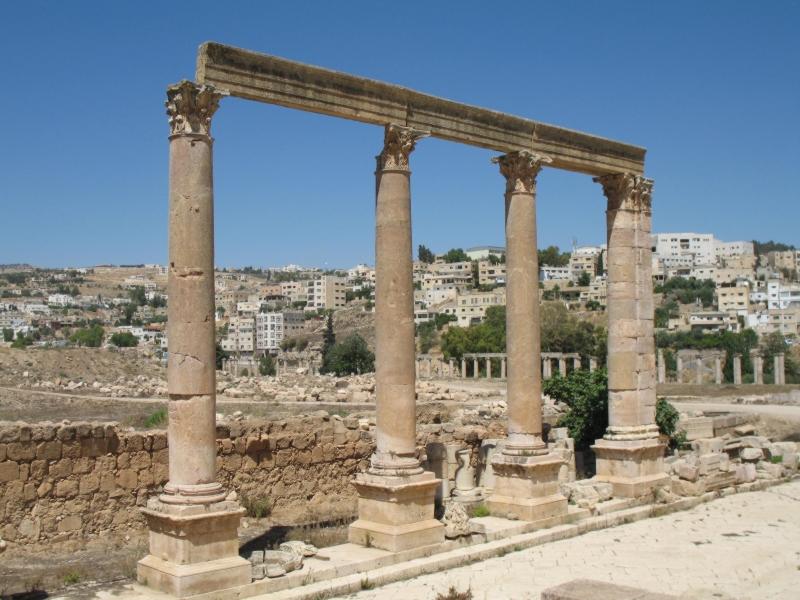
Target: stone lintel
<point>275,80</point>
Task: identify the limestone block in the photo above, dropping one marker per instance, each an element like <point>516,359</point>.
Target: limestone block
<point>67,489</point>
<point>9,471</point>
<point>72,523</point>
<point>754,441</point>
<point>127,479</point>
<point>774,471</point>
<point>751,454</point>
<point>688,472</point>
<point>790,461</point>
<point>21,451</point>
<point>709,463</point>
<point>708,446</point>
<point>745,473</point>
<point>683,487</point>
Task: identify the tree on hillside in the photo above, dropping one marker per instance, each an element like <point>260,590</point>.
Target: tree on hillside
<point>266,366</point>
<point>91,338</point>
<point>124,339</point>
<point>138,296</point>
<point>553,257</point>
<point>352,356</point>
<point>425,255</point>
<point>600,266</point>
<point>585,279</point>
<point>456,255</point>
<point>220,355</point>
<point>328,336</point>
<point>770,246</point>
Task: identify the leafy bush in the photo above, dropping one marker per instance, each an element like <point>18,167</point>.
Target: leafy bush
<point>22,342</point>
<point>244,373</point>
<point>257,508</point>
<point>124,339</point>
<point>349,357</point>
<point>220,355</point>
<point>157,418</point>
<point>302,344</point>
<point>666,417</point>
<point>480,511</point>
<point>266,366</point>
<point>8,335</point>
<point>91,338</point>
<point>586,394</point>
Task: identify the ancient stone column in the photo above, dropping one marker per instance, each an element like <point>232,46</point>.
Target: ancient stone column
<point>463,368</point>
<point>718,369</point>
<point>576,363</point>
<point>698,367</point>
<point>546,368</point>
<point>678,368</point>
<point>439,368</point>
<point>184,559</point>
<point>630,456</point>
<point>526,473</point>
<point>416,368</point>
<point>662,367</point>
<point>475,367</point>
<point>396,497</point>
<point>428,368</point>
<point>502,368</point>
<point>488,367</point>
<point>562,366</point>
<point>758,369</point>
<point>451,364</point>
<point>737,369</point>
<point>778,369</point>
<point>592,364</point>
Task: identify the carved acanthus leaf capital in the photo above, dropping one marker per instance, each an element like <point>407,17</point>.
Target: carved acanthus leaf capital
<point>627,192</point>
<point>398,143</point>
<point>190,107</point>
<point>520,170</point>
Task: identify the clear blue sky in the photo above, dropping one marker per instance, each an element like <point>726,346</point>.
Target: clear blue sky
<point>711,89</point>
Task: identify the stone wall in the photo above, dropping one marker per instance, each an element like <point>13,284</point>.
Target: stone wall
<point>80,480</point>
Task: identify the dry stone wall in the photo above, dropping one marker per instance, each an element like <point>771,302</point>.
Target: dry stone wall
<point>67,481</point>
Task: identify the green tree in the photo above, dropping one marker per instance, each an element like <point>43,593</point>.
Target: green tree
<point>128,312</point>
<point>158,301</point>
<point>91,338</point>
<point>266,366</point>
<point>349,357</point>
<point>302,344</point>
<point>220,355</point>
<point>124,339</point>
<point>553,257</point>
<point>425,255</point>
<point>772,344</point>
<point>328,336</point>
<point>138,296</point>
<point>600,266</point>
<point>586,395</point>
<point>456,255</point>
<point>8,335</point>
<point>221,311</point>
<point>75,291</point>
<point>585,279</point>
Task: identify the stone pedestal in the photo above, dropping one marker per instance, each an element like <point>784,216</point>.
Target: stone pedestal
<point>526,486</point>
<point>194,548</point>
<point>396,512</point>
<point>634,467</point>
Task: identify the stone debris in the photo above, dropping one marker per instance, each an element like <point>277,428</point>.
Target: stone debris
<point>275,563</point>
<point>587,493</point>
<point>299,548</point>
<point>457,522</point>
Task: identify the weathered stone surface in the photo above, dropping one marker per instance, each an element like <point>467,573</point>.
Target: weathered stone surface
<point>751,454</point>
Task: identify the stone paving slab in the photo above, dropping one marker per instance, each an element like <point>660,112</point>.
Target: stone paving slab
<point>745,546</point>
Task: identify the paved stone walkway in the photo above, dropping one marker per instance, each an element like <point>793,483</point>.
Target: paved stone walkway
<point>742,546</point>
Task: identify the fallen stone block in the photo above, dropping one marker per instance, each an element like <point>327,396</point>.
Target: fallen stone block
<point>745,473</point>
<point>683,487</point>
<point>744,430</point>
<point>708,446</point>
<point>789,463</point>
<point>775,471</point>
<point>588,589</point>
<point>751,454</point>
<point>688,472</point>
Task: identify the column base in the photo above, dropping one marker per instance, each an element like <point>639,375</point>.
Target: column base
<point>194,548</point>
<point>396,513</point>
<point>527,486</point>
<point>634,467</point>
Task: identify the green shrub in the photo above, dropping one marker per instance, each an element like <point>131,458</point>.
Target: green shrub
<point>244,373</point>
<point>22,342</point>
<point>266,366</point>
<point>775,460</point>
<point>586,394</point>
<point>349,357</point>
<point>480,511</point>
<point>91,338</point>
<point>157,418</point>
<point>257,508</point>
<point>124,339</point>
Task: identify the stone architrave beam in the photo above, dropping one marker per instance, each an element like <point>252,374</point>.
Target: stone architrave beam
<point>275,80</point>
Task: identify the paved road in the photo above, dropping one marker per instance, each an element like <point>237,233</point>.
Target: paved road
<point>742,546</point>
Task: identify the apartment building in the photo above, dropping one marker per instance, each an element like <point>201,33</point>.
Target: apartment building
<point>326,292</point>
<point>479,252</point>
<point>711,321</point>
<point>489,273</point>
<point>733,248</point>
<point>241,335</point>
<point>456,268</point>
<point>597,291</point>
<point>782,295</point>
<point>555,273</point>
<point>684,249</point>
<point>745,262</point>
<point>789,259</point>
<point>735,299</point>
<point>433,280</point>
<point>11,320</point>
<point>294,290</point>
<point>769,321</point>
<point>270,292</point>
<point>60,300</point>
<point>471,307</point>
<point>229,298</point>
<point>584,259</point>
<point>269,332</point>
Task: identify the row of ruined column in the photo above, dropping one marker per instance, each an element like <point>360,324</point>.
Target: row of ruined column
<point>779,368</point>
<point>396,497</point>
<point>452,372</point>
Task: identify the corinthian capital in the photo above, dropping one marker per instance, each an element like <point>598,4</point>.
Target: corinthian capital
<point>627,192</point>
<point>190,107</point>
<point>398,143</point>
<point>520,170</point>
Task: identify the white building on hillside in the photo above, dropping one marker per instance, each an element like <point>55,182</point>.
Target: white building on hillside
<point>60,300</point>
<point>782,295</point>
<point>479,252</point>
<point>327,291</point>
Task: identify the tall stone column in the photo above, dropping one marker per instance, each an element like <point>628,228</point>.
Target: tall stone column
<point>592,364</point>
<point>502,368</point>
<point>758,369</point>
<point>488,367</point>
<point>698,367</point>
<point>630,456</point>
<point>678,368</point>
<point>526,472</point>
<point>450,371</point>
<point>778,369</point>
<point>562,366</point>
<point>463,368</point>
<point>475,368</point>
<point>576,363</point>
<point>396,497</point>
<point>194,546</point>
<point>439,368</point>
<point>737,369</point>
<point>718,369</point>
<point>662,367</point>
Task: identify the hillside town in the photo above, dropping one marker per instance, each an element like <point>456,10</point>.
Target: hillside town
<point>700,283</point>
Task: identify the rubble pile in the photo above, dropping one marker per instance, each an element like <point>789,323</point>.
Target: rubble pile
<point>139,386</point>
